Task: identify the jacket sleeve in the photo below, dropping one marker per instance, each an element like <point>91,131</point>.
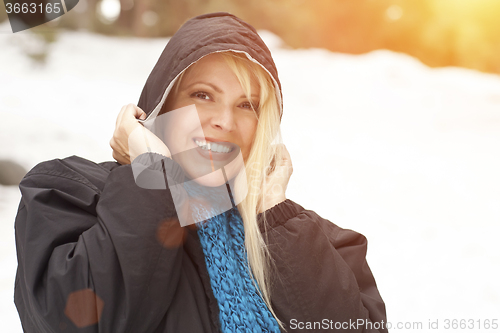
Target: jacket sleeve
<point>94,258</point>
<point>322,280</point>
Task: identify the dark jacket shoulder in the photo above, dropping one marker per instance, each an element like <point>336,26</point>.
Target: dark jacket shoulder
<point>90,241</point>
<point>74,168</point>
<point>321,270</point>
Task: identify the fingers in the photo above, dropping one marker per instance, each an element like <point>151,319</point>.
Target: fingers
<point>131,138</point>
<point>143,115</point>
<point>119,117</point>
<point>284,152</point>
<point>120,159</point>
<point>276,182</point>
<point>126,122</point>
<point>128,111</point>
<point>285,159</point>
<point>119,149</point>
<point>119,153</point>
<point>117,157</point>
<point>137,112</point>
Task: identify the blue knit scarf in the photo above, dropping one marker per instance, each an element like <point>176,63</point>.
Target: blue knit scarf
<point>241,307</point>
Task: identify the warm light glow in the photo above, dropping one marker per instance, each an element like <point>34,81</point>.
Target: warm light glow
<point>149,18</point>
<point>394,12</point>
<point>109,10</point>
<point>468,28</point>
<point>463,33</point>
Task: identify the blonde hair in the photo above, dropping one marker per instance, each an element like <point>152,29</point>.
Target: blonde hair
<point>257,167</point>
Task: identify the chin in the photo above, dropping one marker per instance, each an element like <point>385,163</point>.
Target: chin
<point>213,179</point>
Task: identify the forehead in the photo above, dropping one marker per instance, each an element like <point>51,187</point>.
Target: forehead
<point>214,68</point>
<point>207,65</point>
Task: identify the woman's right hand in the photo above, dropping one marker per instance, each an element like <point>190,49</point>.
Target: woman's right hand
<point>277,180</point>
<point>131,139</point>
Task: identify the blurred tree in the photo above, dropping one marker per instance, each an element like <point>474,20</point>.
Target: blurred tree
<point>439,33</point>
<point>36,43</point>
<point>3,14</point>
<point>126,18</point>
<point>82,17</point>
<point>141,27</point>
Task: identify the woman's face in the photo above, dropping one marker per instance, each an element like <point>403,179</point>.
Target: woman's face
<point>227,122</point>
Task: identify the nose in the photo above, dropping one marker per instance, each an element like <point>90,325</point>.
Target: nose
<point>223,118</point>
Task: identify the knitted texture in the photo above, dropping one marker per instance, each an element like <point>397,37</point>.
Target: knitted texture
<point>242,309</point>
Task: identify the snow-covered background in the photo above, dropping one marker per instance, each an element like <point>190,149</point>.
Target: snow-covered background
<point>407,155</point>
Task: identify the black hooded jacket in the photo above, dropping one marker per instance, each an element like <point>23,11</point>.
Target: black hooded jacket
<point>97,253</point>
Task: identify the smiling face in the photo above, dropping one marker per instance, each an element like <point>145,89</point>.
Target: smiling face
<point>227,118</point>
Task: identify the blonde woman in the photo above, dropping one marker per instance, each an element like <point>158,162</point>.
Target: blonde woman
<point>190,230</point>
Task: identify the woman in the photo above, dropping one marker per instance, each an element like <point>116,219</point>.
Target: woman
<point>191,230</point>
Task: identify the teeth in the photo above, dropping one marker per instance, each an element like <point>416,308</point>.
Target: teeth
<point>215,147</point>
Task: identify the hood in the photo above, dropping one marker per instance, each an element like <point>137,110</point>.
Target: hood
<point>198,37</point>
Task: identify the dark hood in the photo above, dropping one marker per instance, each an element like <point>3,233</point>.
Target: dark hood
<point>198,37</point>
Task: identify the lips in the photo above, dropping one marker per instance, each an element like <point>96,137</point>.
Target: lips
<point>215,146</point>
<point>215,150</point>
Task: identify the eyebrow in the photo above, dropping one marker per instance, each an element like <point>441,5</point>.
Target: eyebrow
<point>214,87</point>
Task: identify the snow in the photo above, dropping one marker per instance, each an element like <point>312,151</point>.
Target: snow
<point>405,154</point>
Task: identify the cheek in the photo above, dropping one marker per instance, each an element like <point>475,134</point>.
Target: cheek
<point>248,133</point>
<point>180,137</point>
<point>179,127</point>
<point>169,138</point>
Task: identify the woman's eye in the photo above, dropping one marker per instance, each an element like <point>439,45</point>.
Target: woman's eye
<point>201,95</point>
<point>248,105</point>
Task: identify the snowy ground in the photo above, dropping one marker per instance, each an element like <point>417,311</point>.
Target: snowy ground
<point>407,155</point>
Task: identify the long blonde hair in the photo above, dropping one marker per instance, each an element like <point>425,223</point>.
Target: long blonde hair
<point>257,166</point>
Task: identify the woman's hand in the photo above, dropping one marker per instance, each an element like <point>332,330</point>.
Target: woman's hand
<point>277,180</point>
<point>131,139</point>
